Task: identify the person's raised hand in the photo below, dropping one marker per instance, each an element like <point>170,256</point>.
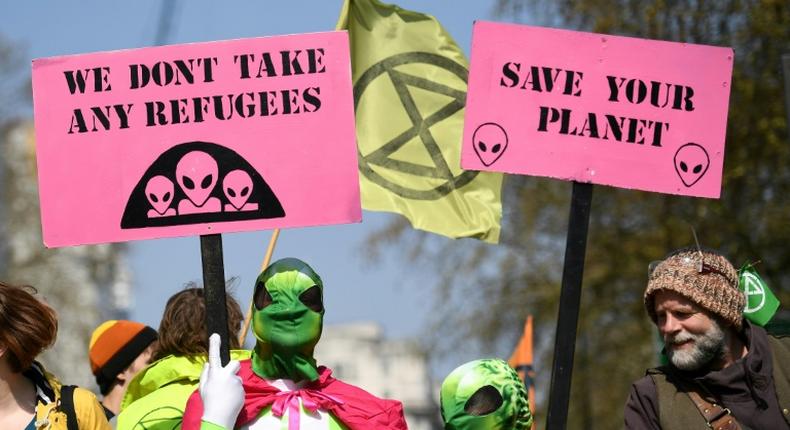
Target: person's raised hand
<point>220,389</point>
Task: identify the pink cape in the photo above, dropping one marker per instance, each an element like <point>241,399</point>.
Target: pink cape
<point>356,408</point>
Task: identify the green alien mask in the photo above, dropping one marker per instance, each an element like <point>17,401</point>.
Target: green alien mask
<point>287,321</point>
<point>485,395</point>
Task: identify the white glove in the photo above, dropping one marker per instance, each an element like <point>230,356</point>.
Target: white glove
<point>220,388</point>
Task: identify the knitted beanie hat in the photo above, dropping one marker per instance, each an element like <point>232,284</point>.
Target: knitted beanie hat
<point>702,276</point>
<point>114,345</point>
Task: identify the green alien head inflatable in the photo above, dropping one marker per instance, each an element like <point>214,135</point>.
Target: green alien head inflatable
<point>485,395</point>
<point>287,320</point>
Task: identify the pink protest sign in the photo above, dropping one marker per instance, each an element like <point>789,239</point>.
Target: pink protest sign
<point>619,111</point>
<point>194,139</point>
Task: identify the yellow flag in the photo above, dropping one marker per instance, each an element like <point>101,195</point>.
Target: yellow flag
<point>409,96</point>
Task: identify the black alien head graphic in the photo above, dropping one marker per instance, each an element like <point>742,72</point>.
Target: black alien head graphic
<point>691,163</point>
<point>199,182</point>
<point>490,142</point>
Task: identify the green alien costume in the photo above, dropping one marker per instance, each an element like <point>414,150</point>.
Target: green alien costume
<point>485,395</point>
<point>283,386</point>
<point>288,320</point>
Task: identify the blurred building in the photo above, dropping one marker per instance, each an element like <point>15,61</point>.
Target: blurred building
<point>359,354</point>
<point>85,284</point>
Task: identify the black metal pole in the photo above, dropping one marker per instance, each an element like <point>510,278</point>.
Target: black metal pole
<point>570,298</point>
<point>214,291</point>
<point>786,72</point>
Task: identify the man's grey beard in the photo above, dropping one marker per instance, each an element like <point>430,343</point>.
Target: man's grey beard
<point>706,348</point>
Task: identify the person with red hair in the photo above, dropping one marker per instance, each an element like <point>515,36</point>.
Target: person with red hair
<point>30,397</point>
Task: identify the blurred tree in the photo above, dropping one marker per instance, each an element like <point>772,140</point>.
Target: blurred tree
<point>85,284</point>
<point>485,292</point>
<point>14,98</point>
<point>14,81</point>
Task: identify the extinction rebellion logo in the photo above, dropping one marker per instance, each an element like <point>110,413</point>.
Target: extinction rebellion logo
<point>754,291</point>
<point>396,72</point>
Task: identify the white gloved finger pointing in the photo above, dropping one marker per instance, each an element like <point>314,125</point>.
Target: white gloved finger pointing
<point>213,351</point>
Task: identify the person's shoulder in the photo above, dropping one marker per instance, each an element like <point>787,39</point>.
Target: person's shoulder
<point>781,338</point>
<point>331,384</point>
<point>657,378</point>
<point>85,399</point>
<point>164,404</point>
<point>360,396</point>
<point>90,413</point>
<point>779,345</point>
<point>646,388</point>
<point>365,409</point>
<point>84,394</point>
<point>641,407</point>
<point>646,384</point>
<point>167,371</point>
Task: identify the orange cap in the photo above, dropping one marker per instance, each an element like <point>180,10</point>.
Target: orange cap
<point>114,345</point>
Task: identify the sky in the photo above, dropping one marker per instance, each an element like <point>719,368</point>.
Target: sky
<point>390,291</point>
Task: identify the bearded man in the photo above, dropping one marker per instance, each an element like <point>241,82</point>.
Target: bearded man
<point>723,372</point>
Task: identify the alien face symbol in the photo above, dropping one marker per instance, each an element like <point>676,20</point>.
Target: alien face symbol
<point>196,173</point>
<point>490,142</point>
<point>159,192</point>
<point>237,185</point>
<point>691,163</point>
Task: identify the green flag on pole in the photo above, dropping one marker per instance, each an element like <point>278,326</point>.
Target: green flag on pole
<point>409,97</point>
<point>761,303</point>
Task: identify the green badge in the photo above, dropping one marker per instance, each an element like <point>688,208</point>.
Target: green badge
<point>485,395</point>
<point>761,303</point>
